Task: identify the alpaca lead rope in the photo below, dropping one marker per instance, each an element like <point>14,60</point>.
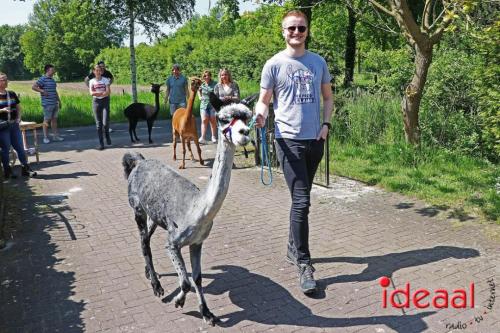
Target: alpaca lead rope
<point>265,154</point>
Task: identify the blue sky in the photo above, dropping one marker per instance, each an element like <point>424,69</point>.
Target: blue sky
<point>20,10</point>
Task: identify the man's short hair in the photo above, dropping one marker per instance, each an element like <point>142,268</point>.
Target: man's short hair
<point>176,66</point>
<point>100,62</point>
<point>47,67</point>
<point>297,13</point>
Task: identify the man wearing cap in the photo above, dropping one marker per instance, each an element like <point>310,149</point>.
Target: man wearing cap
<point>105,73</point>
<point>177,89</point>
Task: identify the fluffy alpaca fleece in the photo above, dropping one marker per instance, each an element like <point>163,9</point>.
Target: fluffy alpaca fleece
<point>160,196</point>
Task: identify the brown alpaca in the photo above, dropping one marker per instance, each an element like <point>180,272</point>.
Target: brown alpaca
<point>184,126</point>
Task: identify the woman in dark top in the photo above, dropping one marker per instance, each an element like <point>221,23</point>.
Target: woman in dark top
<point>10,133</point>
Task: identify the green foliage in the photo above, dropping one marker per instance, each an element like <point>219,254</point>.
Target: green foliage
<point>211,49</point>
<point>367,119</point>
<point>11,57</point>
<point>449,116</point>
<point>68,34</point>
<point>393,67</point>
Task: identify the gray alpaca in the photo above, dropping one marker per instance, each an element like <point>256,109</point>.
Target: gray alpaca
<point>160,196</point>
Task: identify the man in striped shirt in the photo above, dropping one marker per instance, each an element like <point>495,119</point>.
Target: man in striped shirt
<point>51,103</point>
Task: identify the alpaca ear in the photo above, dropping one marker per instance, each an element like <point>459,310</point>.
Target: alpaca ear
<point>215,101</point>
<point>249,100</point>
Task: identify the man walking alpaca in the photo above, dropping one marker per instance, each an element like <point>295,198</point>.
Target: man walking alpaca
<point>297,77</point>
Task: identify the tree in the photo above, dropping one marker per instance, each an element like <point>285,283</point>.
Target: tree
<point>68,34</point>
<point>149,14</point>
<point>435,17</point>
<point>11,57</point>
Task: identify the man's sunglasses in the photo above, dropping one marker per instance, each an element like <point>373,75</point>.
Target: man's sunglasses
<point>300,28</point>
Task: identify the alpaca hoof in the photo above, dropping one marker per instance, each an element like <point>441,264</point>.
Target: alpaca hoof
<point>182,167</point>
<point>202,162</point>
<point>179,302</point>
<point>210,318</point>
<point>148,275</point>
<point>150,141</point>
<point>175,158</point>
<point>157,288</point>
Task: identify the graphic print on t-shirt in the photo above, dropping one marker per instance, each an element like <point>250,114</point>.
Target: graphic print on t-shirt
<point>303,88</point>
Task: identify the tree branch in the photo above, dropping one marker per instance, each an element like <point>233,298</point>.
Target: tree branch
<point>426,15</point>
<point>382,8</point>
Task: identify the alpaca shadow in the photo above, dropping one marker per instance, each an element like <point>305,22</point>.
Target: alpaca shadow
<point>386,265</point>
<point>264,301</point>
<point>65,175</point>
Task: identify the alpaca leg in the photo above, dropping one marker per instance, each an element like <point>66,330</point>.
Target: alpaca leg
<point>179,265</point>
<point>133,130</point>
<point>141,220</point>
<point>150,127</point>
<point>130,122</point>
<point>183,164</point>
<point>199,151</point>
<point>190,151</point>
<point>174,140</point>
<point>195,254</point>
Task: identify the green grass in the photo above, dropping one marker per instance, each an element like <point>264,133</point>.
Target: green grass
<point>439,177</point>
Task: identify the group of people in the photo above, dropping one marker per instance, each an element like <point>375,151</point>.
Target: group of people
<point>177,92</point>
<point>295,78</point>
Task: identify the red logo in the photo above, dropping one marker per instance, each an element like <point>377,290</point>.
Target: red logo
<point>423,298</point>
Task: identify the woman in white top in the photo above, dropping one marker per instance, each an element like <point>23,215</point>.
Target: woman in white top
<point>99,88</point>
<point>227,90</point>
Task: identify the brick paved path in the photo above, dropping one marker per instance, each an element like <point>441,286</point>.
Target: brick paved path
<point>76,265</point>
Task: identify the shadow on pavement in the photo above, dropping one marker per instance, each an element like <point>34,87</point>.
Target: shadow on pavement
<point>386,265</point>
<point>36,289</point>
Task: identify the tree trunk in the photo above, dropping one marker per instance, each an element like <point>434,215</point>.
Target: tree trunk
<point>350,48</point>
<point>133,71</point>
<point>412,96</point>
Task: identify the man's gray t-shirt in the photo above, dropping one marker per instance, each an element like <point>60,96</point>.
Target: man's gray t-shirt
<point>296,84</point>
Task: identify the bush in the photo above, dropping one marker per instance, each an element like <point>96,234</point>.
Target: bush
<point>449,111</point>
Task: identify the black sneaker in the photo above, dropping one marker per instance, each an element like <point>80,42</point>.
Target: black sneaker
<point>27,172</point>
<point>9,174</point>
<point>306,278</point>
<point>100,147</point>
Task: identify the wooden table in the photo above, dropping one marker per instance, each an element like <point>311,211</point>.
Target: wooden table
<point>26,126</point>
<point>30,125</point>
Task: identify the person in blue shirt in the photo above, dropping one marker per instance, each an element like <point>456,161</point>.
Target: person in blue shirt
<point>51,103</point>
<point>177,90</point>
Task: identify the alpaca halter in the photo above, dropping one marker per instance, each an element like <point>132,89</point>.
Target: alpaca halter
<point>228,129</point>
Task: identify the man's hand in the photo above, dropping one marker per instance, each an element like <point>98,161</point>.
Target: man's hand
<point>260,121</point>
<point>323,133</point>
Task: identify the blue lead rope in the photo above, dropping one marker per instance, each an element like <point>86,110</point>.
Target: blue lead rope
<point>265,158</point>
<point>264,154</point>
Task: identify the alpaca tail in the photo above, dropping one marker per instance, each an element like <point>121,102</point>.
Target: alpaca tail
<point>129,162</point>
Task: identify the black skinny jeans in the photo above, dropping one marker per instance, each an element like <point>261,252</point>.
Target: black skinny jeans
<point>300,160</point>
<point>101,115</point>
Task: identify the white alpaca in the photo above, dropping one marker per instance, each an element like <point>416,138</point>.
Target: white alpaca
<point>160,196</point>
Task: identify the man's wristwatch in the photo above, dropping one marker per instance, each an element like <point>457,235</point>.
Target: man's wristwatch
<point>327,125</point>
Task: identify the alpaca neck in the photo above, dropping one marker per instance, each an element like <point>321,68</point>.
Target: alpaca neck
<point>192,95</point>
<point>217,188</point>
